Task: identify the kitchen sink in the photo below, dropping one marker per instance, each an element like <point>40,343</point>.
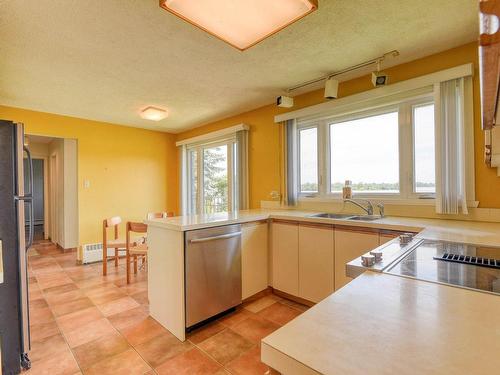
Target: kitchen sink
<point>365,217</point>
<point>333,216</point>
<point>347,216</point>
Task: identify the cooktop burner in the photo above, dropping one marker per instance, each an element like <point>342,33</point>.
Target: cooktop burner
<point>467,259</point>
<point>468,266</point>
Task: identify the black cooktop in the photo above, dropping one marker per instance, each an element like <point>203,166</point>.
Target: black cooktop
<point>462,265</point>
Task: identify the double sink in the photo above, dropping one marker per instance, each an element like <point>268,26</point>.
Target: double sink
<point>347,216</point>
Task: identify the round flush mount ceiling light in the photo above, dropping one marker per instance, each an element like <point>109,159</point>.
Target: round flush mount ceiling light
<point>153,113</point>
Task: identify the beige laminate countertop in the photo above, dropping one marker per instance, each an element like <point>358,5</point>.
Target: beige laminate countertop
<point>385,324</point>
<point>479,233</point>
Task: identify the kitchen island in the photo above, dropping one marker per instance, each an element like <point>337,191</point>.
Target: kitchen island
<point>405,304</point>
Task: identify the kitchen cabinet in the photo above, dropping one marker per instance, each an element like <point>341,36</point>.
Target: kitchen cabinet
<point>285,259</point>
<point>351,243</point>
<point>254,258</point>
<point>386,236</point>
<point>316,266</point>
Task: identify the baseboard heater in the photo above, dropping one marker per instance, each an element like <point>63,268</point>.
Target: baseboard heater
<point>92,253</point>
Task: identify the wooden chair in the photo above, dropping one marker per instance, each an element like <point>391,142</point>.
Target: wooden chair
<point>115,242</point>
<point>159,215</point>
<point>135,248</point>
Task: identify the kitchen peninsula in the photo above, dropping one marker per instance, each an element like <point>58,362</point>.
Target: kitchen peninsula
<point>267,233</point>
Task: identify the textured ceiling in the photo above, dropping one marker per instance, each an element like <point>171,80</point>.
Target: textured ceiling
<point>105,60</point>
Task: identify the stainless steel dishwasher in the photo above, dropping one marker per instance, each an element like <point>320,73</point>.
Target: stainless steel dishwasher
<point>213,272</point>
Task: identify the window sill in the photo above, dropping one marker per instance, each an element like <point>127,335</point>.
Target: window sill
<point>388,201</point>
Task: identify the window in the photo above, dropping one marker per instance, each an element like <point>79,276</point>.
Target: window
<point>308,151</point>
<point>211,174</point>
<point>363,151</point>
<point>387,152</point>
<point>424,149</point>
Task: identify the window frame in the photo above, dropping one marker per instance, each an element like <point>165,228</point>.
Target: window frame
<point>231,144</point>
<point>405,151</point>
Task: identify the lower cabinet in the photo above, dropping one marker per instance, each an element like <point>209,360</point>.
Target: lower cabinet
<point>254,258</point>
<point>350,244</point>
<point>316,266</point>
<point>285,259</point>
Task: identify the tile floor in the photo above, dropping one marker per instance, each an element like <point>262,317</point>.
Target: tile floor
<point>84,323</point>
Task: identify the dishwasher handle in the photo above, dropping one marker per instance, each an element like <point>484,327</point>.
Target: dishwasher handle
<point>213,238</point>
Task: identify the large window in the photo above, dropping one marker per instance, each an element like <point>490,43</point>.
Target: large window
<point>211,174</point>
<point>386,152</point>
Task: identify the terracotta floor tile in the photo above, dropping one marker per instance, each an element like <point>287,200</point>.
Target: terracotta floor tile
<point>192,362</point>
<point>51,280</point>
<point>47,347</point>
<point>58,298</point>
<point>141,297</point>
<point>262,303</point>
<point>106,295</point>
<point>43,330</point>
<point>249,364</point>
<point>71,306</point>
<point>225,346</point>
<point>160,348</point>
<point>94,351</point>
<point>40,315</point>
<point>118,306</point>
<point>70,322</point>
<point>204,332</point>
<point>60,288</point>
<point>129,341</point>
<point>62,363</point>
<point>128,318</point>
<point>255,328</point>
<point>236,317</point>
<point>128,362</point>
<point>40,303</point>
<point>279,313</point>
<point>295,305</point>
<point>144,331</point>
<point>89,332</point>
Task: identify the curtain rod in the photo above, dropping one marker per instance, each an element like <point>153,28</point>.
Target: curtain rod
<point>376,60</point>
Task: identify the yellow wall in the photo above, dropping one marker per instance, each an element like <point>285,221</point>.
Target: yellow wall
<point>264,150</point>
<point>131,171</point>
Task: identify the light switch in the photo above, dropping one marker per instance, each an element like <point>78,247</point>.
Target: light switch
<point>86,184</point>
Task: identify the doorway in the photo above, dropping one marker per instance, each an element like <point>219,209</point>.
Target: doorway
<point>55,194</point>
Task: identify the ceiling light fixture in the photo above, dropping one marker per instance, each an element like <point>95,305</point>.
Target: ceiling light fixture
<point>329,77</point>
<point>241,23</point>
<point>153,113</point>
<point>331,88</point>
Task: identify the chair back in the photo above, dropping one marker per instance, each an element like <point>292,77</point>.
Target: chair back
<point>135,228</point>
<point>159,215</point>
<point>111,222</point>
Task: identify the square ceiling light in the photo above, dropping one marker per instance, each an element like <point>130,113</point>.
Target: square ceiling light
<point>153,113</point>
<point>241,23</point>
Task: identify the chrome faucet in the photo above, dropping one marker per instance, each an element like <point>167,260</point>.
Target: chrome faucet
<point>381,209</point>
<point>368,209</point>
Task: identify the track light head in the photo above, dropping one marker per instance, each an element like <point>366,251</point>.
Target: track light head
<point>331,88</point>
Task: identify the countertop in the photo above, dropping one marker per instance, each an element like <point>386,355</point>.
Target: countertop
<point>384,324</point>
<point>479,233</point>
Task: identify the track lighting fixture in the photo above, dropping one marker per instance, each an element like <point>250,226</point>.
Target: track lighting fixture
<point>331,88</point>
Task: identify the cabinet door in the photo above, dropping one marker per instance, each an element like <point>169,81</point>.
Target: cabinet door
<point>286,257</point>
<point>254,258</point>
<point>386,236</point>
<point>316,245</point>
<point>350,244</point>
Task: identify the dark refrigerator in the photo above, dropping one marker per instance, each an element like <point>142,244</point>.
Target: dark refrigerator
<point>15,239</point>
